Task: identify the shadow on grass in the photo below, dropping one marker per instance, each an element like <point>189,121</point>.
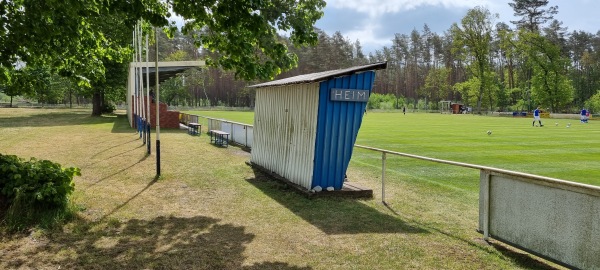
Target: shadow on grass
<point>522,259</point>
<point>160,243</point>
<point>112,147</point>
<point>71,118</point>
<point>51,119</point>
<point>118,172</point>
<point>121,125</point>
<point>131,199</point>
<point>332,215</point>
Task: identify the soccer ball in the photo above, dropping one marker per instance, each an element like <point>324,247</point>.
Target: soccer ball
<point>556,124</point>
<point>569,125</point>
<point>489,132</point>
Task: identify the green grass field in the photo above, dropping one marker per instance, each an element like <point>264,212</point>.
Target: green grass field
<point>211,211</point>
<point>552,150</point>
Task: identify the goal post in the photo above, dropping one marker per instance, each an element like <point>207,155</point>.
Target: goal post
<point>445,106</point>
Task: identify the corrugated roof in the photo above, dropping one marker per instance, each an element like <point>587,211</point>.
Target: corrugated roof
<point>322,76</point>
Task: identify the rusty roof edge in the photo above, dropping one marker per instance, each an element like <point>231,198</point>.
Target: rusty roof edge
<point>322,76</point>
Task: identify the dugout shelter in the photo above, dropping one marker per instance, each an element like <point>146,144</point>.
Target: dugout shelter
<point>305,126</point>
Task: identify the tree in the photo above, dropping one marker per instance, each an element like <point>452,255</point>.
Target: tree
<point>38,82</point>
<point>508,54</point>
<point>474,36</point>
<point>15,84</point>
<point>532,13</point>
<point>436,85</point>
<point>593,103</point>
<point>73,37</point>
<point>173,91</point>
<point>585,63</point>
<point>468,90</point>
<point>66,35</point>
<point>550,85</point>
<point>62,86</point>
<point>357,51</point>
<point>245,32</point>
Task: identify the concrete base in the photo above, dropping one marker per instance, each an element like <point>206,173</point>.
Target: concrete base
<point>349,190</point>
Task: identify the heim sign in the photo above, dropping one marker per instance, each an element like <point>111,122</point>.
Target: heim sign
<point>352,95</point>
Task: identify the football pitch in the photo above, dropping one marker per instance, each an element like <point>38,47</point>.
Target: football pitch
<point>562,148</point>
<point>209,210</point>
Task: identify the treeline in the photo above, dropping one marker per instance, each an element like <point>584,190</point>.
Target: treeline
<point>516,69</point>
<point>535,61</point>
<point>215,87</point>
<point>490,67</point>
<point>42,87</point>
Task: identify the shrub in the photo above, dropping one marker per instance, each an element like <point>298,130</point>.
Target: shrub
<point>593,103</point>
<point>34,191</point>
<point>108,108</point>
<point>376,100</point>
<point>386,105</point>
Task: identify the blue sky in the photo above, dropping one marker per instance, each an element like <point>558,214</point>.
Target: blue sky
<point>375,22</point>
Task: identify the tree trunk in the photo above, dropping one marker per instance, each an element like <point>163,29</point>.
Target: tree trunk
<point>97,103</point>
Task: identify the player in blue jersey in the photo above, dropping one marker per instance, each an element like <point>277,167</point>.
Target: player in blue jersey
<point>536,116</point>
<point>584,117</point>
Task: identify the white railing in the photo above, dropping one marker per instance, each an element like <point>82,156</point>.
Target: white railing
<point>555,219</point>
<point>239,133</point>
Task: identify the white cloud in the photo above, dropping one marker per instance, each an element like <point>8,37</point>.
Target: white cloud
<point>367,35</point>
<point>378,7</point>
<point>374,33</point>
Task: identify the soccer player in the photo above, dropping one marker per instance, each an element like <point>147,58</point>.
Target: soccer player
<point>536,116</point>
<point>583,115</point>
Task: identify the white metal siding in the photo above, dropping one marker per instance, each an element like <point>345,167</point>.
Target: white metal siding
<point>249,135</point>
<point>285,122</point>
<point>554,219</point>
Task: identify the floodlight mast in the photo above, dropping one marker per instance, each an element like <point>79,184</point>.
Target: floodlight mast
<point>141,83</point>
<point>157,102</point>
<point>135,85</point>
<point>148,119</point>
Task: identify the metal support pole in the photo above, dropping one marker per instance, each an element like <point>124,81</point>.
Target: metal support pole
<point>141,80</point>
<point>140,85</point>
<point>137,78</point>
<point>132,105</point>
<point>486,206</point>
<point>148,119</point>
<point>157,102</point>
<point>383,177</point>
<point>135,82</point>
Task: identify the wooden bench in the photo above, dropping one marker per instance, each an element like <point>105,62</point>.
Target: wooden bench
<point>194,128</point>
<point>220,138</point>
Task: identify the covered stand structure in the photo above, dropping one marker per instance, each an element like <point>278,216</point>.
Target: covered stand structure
<point>305,127</point>
<point>166,70</point>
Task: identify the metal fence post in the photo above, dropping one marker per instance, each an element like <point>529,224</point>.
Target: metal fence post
<point>383,177</point>
<point>486,206</point>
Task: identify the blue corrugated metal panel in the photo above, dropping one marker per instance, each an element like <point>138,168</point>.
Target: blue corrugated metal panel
<point>337,126</point>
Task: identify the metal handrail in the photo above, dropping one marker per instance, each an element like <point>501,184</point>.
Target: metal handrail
<point>548,181</point>
<point>554,182</point>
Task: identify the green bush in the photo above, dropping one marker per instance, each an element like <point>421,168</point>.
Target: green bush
<point>379,101</point>
<point>34,191</point>
<point>108,108</point>
<point>593,104</point>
